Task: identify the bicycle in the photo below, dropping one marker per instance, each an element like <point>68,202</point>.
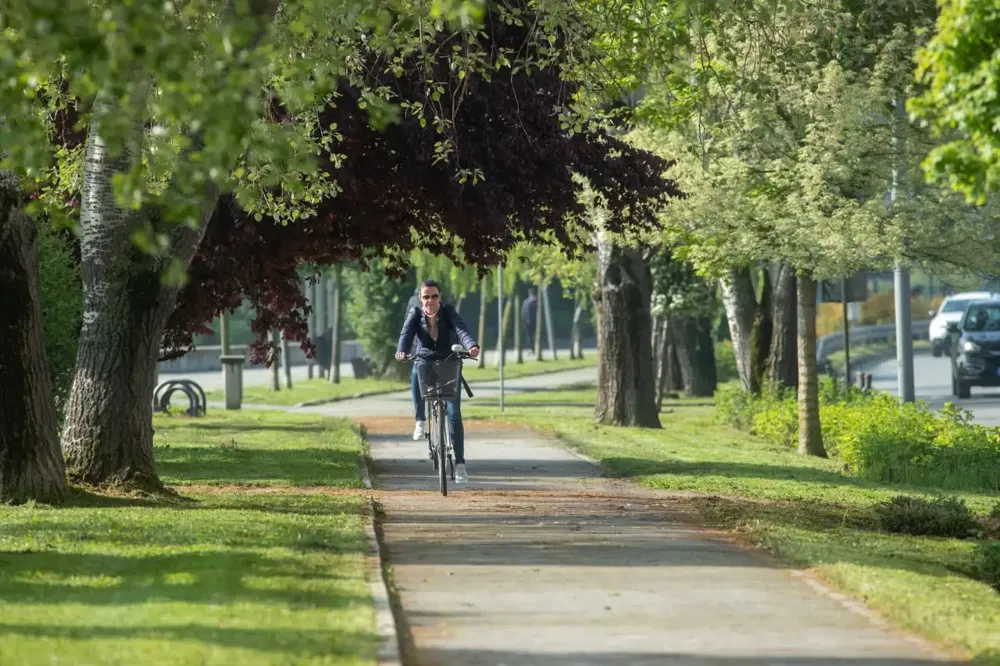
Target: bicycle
<point>439,383</point>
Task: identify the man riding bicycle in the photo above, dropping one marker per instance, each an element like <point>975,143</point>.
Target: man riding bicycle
<point>435,325</point>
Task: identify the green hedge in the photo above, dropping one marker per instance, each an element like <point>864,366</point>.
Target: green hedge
<point>877,437</point>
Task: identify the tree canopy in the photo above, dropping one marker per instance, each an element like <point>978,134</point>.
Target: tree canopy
<point>507,178</point>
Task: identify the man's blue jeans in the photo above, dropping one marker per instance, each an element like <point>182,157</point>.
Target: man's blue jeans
<point>454,413</point>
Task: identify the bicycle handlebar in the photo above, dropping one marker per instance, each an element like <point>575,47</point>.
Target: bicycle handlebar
<point>456,352</point>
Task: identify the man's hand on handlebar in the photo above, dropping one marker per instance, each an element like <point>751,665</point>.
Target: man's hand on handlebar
<point>474,352</point>
<point>400,356</point>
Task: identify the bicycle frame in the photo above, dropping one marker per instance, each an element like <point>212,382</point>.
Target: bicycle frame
<point>439,433</point>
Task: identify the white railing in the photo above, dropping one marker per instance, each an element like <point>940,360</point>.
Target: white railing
<point>863,335</point>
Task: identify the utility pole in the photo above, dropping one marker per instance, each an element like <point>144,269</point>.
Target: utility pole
<point>901,274</point>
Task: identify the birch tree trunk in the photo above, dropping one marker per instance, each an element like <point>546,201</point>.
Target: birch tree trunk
<point>31,465</point>
<point>625,387</point>
<point>575,345</point>
<point>740,303</point>
<point>810,435</point>
<point>108,432</point>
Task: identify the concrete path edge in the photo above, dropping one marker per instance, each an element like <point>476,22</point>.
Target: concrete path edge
<point>385,621</point>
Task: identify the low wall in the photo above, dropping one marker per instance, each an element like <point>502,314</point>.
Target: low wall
<point>206,358</point>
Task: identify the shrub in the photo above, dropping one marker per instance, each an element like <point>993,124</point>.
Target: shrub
<point>906,443</point>
<point>943,516</point>
<point>376,307</point>
<point>989,563</point>
<point>778,424</point>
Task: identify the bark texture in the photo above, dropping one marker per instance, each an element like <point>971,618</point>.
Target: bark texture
<point>810,435</point>
<point>741,305</point>
<point>782,362</point>
<point>695,354</point>
<point>31,465</point>
<point>626,390</point>
<point>108,432</point>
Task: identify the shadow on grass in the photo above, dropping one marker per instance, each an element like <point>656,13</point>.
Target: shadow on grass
<point>626,467</point>
<point>223,465</point>
<point>313,642</point>
<point>819,524</point>
<point>201,578</point>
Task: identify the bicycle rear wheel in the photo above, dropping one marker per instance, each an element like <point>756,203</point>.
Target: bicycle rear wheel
<point>441,432</point>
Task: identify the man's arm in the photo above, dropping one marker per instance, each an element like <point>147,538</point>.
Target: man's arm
<point>409,330</point>
<point>464,336</point>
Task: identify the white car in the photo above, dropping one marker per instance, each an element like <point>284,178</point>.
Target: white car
<point>951,311</point>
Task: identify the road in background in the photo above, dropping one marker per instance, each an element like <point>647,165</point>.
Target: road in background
<point>932,382</point>
<point>212,380</point>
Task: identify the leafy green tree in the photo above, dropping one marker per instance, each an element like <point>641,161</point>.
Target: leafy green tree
<point>375,306</point>
<point>960,70</point>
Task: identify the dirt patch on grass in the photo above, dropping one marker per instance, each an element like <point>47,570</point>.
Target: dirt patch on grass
<point>251,489</point>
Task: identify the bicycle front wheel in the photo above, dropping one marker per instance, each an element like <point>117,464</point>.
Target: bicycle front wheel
<point>441,434</point>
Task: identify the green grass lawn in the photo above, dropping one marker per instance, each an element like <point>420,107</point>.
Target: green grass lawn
<point>804,509</point>
<point>225,573</point>
<point>322,389</point>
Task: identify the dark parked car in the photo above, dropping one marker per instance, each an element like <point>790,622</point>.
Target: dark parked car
<point>975,356</point>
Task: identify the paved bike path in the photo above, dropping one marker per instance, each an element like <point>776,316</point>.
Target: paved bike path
<point>539,560</point>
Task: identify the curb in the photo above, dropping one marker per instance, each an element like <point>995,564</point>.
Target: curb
<point>355,396</point>
<point>385,621</point>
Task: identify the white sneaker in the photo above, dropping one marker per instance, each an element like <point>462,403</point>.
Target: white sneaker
<point>420,430</point>
<point>461,476</point>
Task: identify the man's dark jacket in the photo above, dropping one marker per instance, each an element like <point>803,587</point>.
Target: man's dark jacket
<point>451,329</point>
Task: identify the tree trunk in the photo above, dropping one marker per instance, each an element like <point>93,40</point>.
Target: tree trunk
<point>550,331</point>
<point>674,380</point>
<point>810,435</point>
<point>663,349</point>
<point>31,465</point>
<point>335,311</point>
<point>626,392</point>
<point>763,325</point>
<point>782,362</point>
<point>311,291</point>
<point>481,361</point>
<point>286,364</point>
<point>108,433</point>
<point>539,317</point>
<point>705,356</point>
<point>517,329</point>
<point>738,299</point>
<point>575,345</point>
<point>322,314</point>
<point>458,304</point>
<point>274,376</point>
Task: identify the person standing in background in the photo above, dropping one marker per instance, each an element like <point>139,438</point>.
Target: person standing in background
<point>529,318</point>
